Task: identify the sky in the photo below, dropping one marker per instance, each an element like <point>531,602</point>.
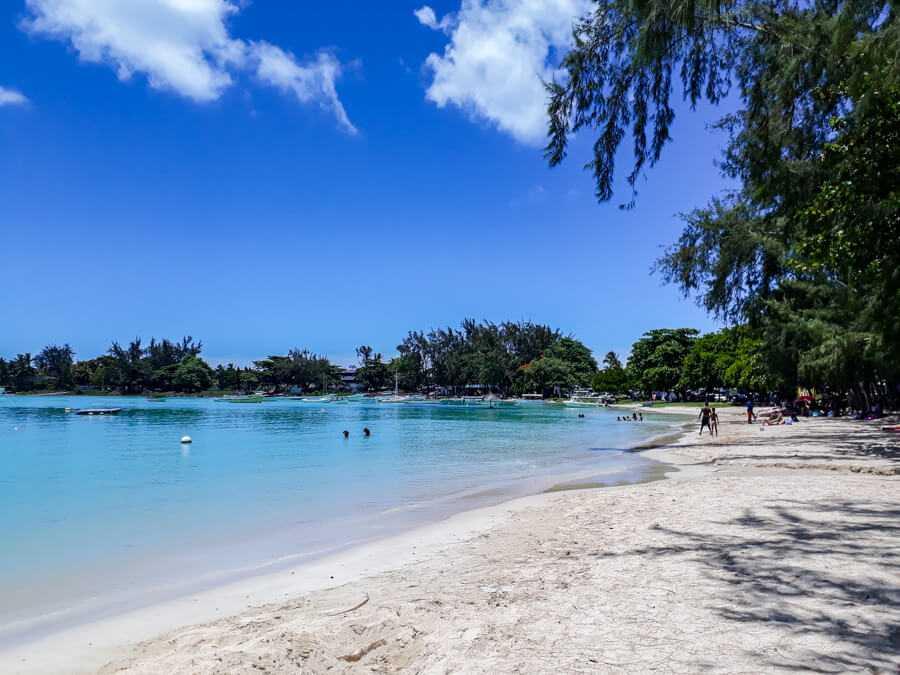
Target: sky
<point>271,175</point>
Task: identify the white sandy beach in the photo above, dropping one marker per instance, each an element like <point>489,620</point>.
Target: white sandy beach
<point>769,550</point>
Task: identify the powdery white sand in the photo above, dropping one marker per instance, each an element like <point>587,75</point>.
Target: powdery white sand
<point>769,550</point>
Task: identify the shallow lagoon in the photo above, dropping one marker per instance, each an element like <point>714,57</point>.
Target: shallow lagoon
<point>102,513</point>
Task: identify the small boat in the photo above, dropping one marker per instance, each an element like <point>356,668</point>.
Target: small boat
<point>494,401</point>
<point>245,399</point>
<point>99,411</point>
<point>395,397</point>
<point>464,401</point>
<point>314,399</point>
<point>584,397</point>
<point>250,398</point>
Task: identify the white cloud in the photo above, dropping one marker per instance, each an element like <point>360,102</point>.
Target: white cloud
<point>427,17</point>
<point>182,46</point>
<point>312,82</point>
<point>11,97</point>
<point>499,57</point>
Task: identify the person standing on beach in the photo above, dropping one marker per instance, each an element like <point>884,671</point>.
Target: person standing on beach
<point>750,414</point>
<point>705,415</point>
<point>714,422</point>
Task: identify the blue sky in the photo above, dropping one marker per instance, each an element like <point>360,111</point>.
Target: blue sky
<point>306,174</point>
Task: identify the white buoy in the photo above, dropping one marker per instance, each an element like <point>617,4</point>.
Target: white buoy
<point>186,439</point>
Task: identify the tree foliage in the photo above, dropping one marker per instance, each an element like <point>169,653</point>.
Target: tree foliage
<point>495,356</point>
<point>658,357</point>
<point>300,368</point>
<point>731,358</point>
<point>373,373</point>
<point>613,378</point>
<point>806,251</point>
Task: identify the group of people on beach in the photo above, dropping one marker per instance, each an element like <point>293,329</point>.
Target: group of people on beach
<point>709,419</point>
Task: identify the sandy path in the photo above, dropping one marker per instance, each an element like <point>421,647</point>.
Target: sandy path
<point>775,550</point>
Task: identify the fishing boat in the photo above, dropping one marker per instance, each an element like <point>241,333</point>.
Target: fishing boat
<point>315,399</point>
<point>396,397</point>
<point>464,401</point>
<point>352,397</point>
<point>584,397</point>
<point>494,401</point>
<point>240,399</point>
<point>393,399</point>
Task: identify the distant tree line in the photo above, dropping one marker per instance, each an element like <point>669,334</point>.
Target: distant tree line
<point>507,358</point>
<point>161,365</point>
<point>510,358</point>
<point>164,366</point>
<point>685,363</point>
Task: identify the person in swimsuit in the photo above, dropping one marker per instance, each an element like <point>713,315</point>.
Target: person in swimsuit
<point>714,422</point>
<point>705,415</point>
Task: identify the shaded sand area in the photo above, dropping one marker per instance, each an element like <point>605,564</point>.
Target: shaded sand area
<point>765,551</point>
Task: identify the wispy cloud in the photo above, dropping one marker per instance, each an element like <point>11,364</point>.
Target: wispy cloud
<point>312,82</point>
<point>11,97</point>
<point>427,17</point>
<point>498,57</point>
<point>183,46</point>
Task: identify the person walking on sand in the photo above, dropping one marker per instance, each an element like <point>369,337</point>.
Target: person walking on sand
<point>714,422</point>
<point>750,414</point>
<point>705,415</point>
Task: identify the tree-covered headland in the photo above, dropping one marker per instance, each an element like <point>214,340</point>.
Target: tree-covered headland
<point>802,259</point>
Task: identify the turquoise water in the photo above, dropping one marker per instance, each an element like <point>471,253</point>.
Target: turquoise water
<point>96,512</point>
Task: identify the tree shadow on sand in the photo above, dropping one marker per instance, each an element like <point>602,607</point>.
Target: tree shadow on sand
<point>789,568</point>
<point>861,442</point>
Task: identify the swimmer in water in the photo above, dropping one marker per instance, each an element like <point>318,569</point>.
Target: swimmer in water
<point>366,432</point>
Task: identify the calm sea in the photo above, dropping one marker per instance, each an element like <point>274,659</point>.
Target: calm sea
<point>100,513</point>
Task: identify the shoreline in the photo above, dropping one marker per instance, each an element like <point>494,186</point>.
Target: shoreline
<point>496,555</point>
<point>93,644</point>
<point>225,592</point>
<point>443,508</point>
